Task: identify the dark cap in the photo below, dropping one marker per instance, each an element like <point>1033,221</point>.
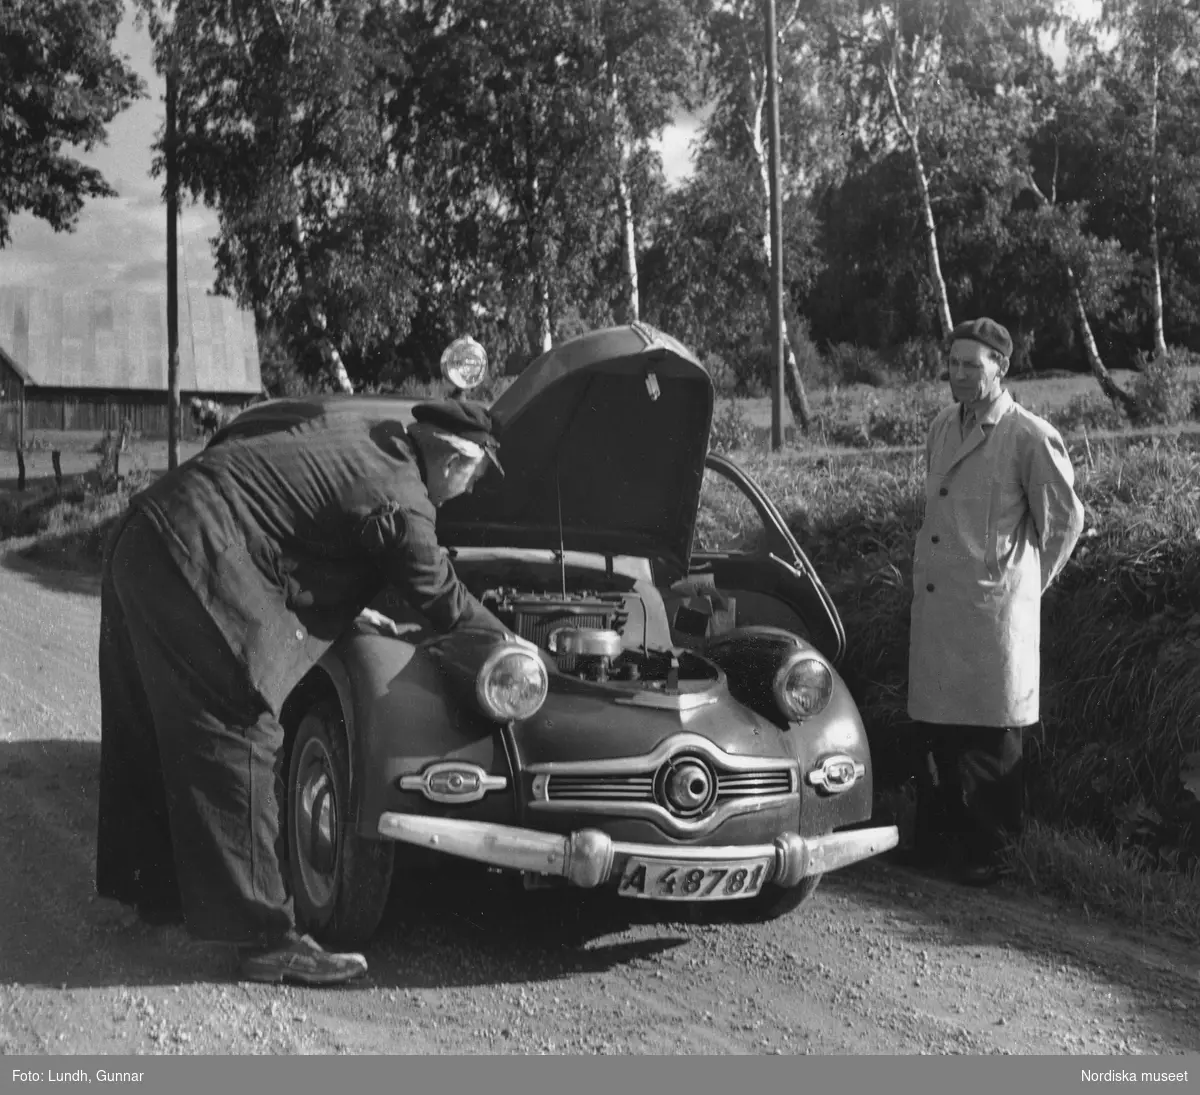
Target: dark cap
<point>463,417</point>
<point>985,331</point>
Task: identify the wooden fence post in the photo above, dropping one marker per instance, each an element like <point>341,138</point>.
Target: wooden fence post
<point>57,458</point>
<point>20,469</point>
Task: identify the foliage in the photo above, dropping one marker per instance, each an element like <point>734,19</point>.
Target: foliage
<point>732,430</point>
<point>920,360</point>
<point>1164,388</point>
<point>851,364</point>
<point>60,84</point>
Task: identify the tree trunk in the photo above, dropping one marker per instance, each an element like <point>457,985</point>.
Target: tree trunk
<point>1160,338</point>
<point>628,232</point>
<point>1108,386</point>
<point>912,133</point>
<point>540,338</point>
<point>929,226</point>
<point>335,368</point>
<point>797,396</point>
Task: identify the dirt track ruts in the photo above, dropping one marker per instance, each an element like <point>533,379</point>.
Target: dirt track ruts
<point>882,961</point>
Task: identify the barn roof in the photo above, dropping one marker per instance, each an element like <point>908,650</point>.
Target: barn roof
<point>117,339</point>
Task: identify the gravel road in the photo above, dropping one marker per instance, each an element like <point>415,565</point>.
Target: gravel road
<point>881,961</point>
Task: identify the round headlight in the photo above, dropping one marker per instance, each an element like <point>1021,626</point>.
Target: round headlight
<point>803,687</point>
<point>465,363</point>
<point>512,684</point>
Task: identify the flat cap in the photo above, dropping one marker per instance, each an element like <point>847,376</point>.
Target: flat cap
<point>463,417</point>
<point>985,331</point>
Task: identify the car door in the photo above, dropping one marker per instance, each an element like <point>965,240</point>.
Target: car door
<point>743,546</point>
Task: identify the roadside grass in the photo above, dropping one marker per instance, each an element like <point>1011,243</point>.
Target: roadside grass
<point>1115,825</point>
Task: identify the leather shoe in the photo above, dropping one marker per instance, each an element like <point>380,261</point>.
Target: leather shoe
<point>302,960</point>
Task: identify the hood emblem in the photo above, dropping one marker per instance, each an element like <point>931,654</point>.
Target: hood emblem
<point>837,773</point>
<point>453,782</point>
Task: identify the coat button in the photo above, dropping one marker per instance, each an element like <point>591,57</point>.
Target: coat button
<point>943,492</point>
<point>929,587</point>
<point>299,633</point>
<point>937,539</point>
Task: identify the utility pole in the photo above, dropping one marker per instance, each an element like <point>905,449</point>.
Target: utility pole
<point>777,395</point>
<point>172,280</point>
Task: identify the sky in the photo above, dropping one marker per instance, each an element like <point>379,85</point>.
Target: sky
<point>120,242</point>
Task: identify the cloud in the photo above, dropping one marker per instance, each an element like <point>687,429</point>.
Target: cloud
<point>118,242</point>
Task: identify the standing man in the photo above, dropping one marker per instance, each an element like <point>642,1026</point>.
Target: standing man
<point>225,583</point>
<point>1001,520</point>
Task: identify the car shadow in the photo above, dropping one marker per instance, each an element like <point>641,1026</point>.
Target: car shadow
<point>459,928</point>
<point>40,563</point>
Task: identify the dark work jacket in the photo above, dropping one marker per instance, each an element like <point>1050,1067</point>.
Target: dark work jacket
<point>292,520</point>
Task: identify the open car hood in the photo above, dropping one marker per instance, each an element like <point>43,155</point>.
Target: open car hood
<point>607,434</point>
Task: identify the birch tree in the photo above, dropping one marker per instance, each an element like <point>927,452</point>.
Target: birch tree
<point>1153,40</point>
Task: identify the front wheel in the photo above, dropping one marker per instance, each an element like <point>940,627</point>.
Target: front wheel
<point>771,904</point>
<point>340,881</point>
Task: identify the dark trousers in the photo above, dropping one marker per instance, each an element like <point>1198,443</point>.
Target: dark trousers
<point>973,794</point>
<point>190,756</point>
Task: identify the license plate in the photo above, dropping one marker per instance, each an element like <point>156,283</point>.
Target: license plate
<point>665,880</point>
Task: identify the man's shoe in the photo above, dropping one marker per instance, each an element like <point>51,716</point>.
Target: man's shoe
<point>302,960</point>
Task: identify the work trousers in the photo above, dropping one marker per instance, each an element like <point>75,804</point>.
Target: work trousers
<point>190,758</point>
<point>973,793</point>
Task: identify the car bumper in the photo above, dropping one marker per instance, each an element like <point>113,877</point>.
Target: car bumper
<point>590,858</point>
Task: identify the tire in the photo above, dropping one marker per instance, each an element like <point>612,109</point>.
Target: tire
<point>339,881</point>
<point>771,904</point>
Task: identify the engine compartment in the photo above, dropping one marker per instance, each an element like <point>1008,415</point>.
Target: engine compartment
<point>589,635</point>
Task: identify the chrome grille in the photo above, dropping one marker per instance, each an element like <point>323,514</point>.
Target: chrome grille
<point>640,788</point>
<point>753,784</point>
<point>601,788</point>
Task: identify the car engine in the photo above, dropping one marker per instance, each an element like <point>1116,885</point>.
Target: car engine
<point>589,635</point>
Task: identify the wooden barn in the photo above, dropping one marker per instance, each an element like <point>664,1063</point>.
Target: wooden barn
<point>88,360</point>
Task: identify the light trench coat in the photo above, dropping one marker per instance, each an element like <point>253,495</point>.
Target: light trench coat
<point>1001,521</point>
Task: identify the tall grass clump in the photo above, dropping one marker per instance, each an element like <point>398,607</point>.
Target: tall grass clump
<point>1121,654</point>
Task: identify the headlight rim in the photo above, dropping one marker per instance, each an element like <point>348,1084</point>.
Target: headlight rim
<point>490,663</point>
<point>779,684</point>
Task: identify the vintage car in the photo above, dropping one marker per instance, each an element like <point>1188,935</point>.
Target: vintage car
<point>665,721</point>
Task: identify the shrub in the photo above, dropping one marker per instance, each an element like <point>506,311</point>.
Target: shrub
<point>724,376</point>
<point>1090,412</point>
<point>851,364</point>
<point>906,419</point>
<point>731,429</point>
<point>1164,388</point>
<point>919,360</point>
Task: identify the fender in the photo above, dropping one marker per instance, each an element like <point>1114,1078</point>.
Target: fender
<point>404,711</point>
<point>750,657</point>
